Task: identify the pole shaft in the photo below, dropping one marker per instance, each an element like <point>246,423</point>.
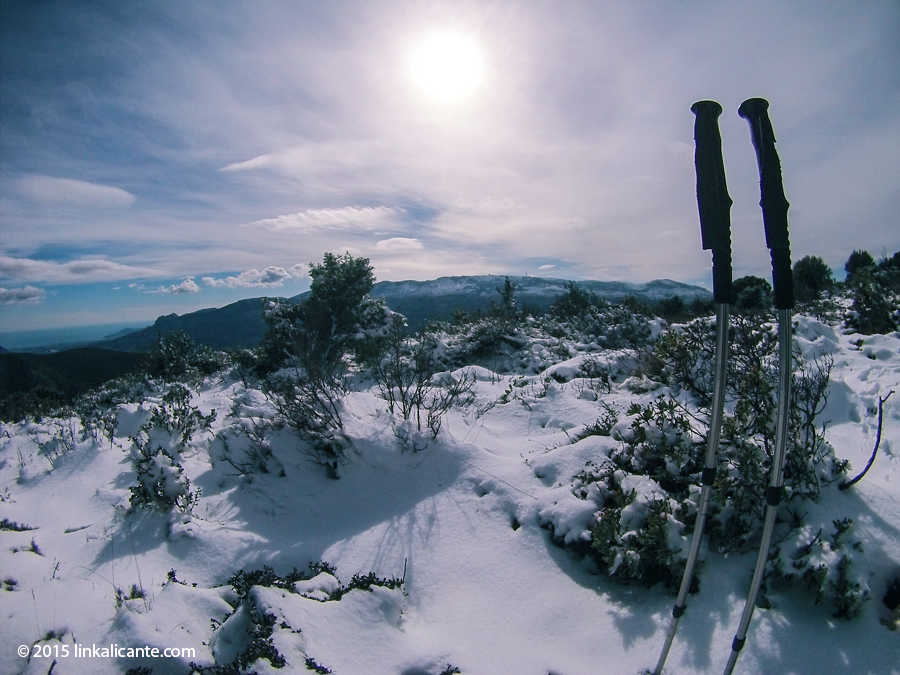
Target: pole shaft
<point>714,206</point>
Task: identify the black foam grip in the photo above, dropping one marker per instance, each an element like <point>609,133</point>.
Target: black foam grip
<point>772,200</point>
<point>782,278</point>
<point>678,611</point>
<point>774,495</point>
<point>723,294</point>
<point>708,476</point>
<point>713,201</point>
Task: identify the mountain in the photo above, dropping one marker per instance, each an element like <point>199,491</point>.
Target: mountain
<point>420,301</point>
<point>240,324</point>
<point>68,372</point>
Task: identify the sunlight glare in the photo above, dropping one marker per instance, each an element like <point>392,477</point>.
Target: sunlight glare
<point>448,67</point>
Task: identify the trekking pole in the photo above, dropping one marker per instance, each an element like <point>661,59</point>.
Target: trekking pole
<point>774,208</point>
<point>714,206</point>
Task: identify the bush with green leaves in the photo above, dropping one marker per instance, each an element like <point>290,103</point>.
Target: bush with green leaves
<point>309,347</point>
<point>874,290</point>
<point>812,278</point>
<point>172,423</point>
<point>161,482</point>
<point>252,626</point>
<point>176,356</point>
<point>647,488</point>
<point>337,319</point>
<point>828,565</point>
<point>752,295</point>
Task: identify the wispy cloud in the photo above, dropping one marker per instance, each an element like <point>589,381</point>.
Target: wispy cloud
<point>271,276</point>
<point>82,271</point>
<point>347,218</point>
<point>71,192</point>
<point>27,295</point>
<point>399,244</point>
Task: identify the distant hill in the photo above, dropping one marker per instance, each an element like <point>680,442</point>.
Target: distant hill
<point>240,324</point>
<point>68,372</point>
<point>421,301</point>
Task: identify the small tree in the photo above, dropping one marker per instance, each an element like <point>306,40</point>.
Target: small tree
<point>753,295</point>
<point>310,341</point>
<point>812,277</point>
<point>574,301</point>
<point>177,356</point>
<point>508,298</point>
<point>857,262</point>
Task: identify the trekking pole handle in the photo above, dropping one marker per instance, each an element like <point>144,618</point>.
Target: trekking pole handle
<point>772,200</point>
<point>713,201</point>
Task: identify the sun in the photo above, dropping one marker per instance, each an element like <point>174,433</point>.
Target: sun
<point>448,67</point>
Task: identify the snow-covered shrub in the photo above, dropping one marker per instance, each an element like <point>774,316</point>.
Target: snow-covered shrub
<point>161,482</point>
<point>97,415</point>
<point>641,535</point>
<point>639,538</point>
<point>828,566</point>
<point>177,416</point>
<point>245,635</point>
<point>250,428</point>
<point>410,380</point>
<point>312,405</point>
<point>645,493</point>
<point>56,436</point>
<point>598,322</point>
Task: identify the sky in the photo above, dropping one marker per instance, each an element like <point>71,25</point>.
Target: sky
<point>168,156</point>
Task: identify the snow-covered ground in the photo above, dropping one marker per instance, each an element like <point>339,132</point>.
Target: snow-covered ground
<point>485,590</point>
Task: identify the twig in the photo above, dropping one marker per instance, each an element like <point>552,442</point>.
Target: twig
<point>846,484</point>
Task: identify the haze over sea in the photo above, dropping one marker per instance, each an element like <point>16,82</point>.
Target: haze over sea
<point>68,335</point>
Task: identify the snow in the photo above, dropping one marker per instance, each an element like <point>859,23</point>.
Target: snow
<point>464,521</point>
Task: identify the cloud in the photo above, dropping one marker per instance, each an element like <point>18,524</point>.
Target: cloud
<point>186,286</point>
<point>271,276</point>
<point>74,272</point>
<point>347,218</point>
<point>28,295</point>
<point>395,244</point>
<point>546,267</point>
<point>260,162</point>
<point>71,192</point>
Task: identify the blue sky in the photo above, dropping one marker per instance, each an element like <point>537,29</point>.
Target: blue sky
<point>160,157</point>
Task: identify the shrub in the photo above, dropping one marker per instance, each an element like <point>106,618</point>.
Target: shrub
<point>858,261</point>
<point>161,482</point>
<point>812,277</point>
<point>177,356</point>
<point>409,379</point>
<point>646,489</point>
<point>875,292</point>
<point>337,318</point>
<point>311,403</point>
<point>752,295</point>
<point>573,302</point>
<point>826,566</point>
